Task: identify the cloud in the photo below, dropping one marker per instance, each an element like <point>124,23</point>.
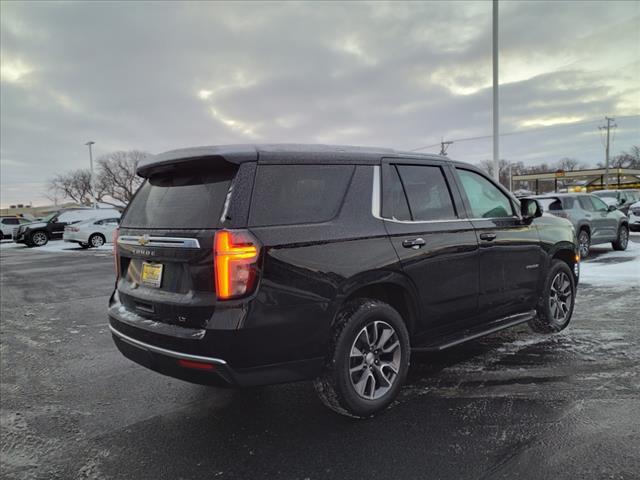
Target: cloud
<point>160,75</point>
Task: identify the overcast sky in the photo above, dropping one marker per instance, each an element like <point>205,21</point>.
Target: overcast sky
<point>158,76</point>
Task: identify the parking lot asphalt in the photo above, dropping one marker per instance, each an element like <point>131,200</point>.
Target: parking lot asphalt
<point>513,405</point>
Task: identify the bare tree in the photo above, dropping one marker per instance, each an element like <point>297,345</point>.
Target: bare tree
<point>570,164</point>
<point>506,169</point>
<point>117,175</point>
<point>630,159</point>
<point>76,186</point>
<point>115,182</point>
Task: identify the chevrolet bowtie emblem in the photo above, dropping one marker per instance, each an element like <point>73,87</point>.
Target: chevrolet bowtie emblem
<point>143,240</point>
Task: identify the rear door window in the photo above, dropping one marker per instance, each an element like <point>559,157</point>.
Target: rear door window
<point>191,199</point>
<point>427,192</point>
<point>290,194</point>
<point>394,200</point>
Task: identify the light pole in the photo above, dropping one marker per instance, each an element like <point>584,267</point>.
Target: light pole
<point>496,103</point>
<point>89,144</point>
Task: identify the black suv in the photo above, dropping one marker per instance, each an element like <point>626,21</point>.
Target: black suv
<point>252,265</point>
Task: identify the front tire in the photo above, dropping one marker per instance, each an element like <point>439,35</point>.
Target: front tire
<point>623,238</point>
<point>556,303</point>
<point>96,240</point>
<point>38,239</point>
<point>368,359</point>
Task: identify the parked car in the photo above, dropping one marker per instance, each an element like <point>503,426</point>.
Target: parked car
<point>634,217</point>
<point>37,234</point>
<point>253,265</point>
<point>8,223</point>
<point>622,199</point>
<point>594,221</point>
<point>91,233</point>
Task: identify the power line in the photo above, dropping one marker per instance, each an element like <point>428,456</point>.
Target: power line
<point>519,132</point>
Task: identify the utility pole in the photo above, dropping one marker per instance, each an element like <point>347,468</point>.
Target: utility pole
<point>496,117</point>
<point>443,147</point>
<point>608,127</point>
<point>89,144</point>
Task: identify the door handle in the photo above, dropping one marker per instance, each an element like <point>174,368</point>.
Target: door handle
<point>487,236</point>
<point>415,243</point>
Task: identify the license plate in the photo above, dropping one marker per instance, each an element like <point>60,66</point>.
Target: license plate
<point>152,274</point>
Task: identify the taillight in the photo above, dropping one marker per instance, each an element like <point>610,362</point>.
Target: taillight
<point>235,256</point>
<point>116,255</point>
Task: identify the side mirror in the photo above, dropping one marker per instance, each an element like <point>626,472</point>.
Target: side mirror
<point>623,201</point>
<point>529,209</point>
<point>611,208</point>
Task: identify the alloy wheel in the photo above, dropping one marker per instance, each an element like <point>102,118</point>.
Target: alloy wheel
<point>624,238</point>
<point>374,360</point>
<point>583,241</point>
<point>97,241</point>
<point>560,297</point>
<point>39,239</point>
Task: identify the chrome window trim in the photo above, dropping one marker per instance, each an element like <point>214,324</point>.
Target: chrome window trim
<point>164,351</point>
<point>510,217</point>
<point>450,220</point>
<point>147,241</point>
<point>376,201</point>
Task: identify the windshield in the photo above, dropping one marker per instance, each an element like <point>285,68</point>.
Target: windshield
<point>606,194</point>
<point>49,217</point>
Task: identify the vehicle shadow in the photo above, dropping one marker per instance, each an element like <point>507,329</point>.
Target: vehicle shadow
<point>283,431</point>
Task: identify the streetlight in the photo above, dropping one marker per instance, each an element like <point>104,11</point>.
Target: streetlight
<point>88,144</point>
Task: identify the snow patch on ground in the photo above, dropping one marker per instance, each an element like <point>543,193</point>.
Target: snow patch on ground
<point>55,246</point>
<point>613,267</point>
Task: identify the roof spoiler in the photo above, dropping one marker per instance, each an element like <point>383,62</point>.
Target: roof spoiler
<point>176,158</point>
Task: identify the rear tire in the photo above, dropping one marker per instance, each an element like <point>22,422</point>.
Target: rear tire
<point>557,300</point>
<point>623,238</point>
<point>368,359</point>
<point>584,242</point>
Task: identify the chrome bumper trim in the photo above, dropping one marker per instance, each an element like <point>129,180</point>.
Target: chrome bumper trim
<point>164,351</point>
<point>147,241</point>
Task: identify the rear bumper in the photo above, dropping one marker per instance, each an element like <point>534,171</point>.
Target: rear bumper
<point>168,351</point>
<point>74,237</point>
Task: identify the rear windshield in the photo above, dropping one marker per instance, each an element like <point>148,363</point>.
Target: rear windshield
<point>288,194</point>
<point>189,199</point>
<point>549,204</point>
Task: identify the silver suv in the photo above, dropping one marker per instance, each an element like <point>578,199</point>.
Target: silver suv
<point>622,199</point>
<point>594,221</point>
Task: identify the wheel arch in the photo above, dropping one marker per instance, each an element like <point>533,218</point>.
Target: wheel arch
<point>393,288</point>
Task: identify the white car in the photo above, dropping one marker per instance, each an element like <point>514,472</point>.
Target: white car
<point>91,233</point>
<point>634,217</point>
<point>7,224</point>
